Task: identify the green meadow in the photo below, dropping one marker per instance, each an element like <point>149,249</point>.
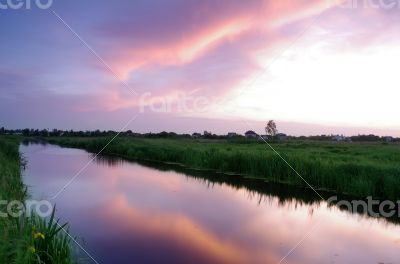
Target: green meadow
<point>359,169</point>
<point>26,239</point>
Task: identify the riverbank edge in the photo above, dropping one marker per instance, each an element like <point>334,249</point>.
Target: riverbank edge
<point>27,239</point>
<point>286,191</point>
<point>325,192</point>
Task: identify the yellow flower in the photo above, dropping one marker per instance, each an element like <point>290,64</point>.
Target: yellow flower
<point>32,250</point>
<point>39,235</point>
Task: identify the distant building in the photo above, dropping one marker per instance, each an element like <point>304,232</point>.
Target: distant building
<point>281,136</point>
<point>196,135</point>
<point>232,134</point>
<point>338,138</point>
<point>250,134</point>
<point>388,139</point>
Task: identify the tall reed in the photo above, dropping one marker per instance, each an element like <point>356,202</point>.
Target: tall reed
<point>27,239</point>
<point>352,168</point>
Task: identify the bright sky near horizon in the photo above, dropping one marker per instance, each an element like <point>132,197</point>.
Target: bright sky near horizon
<point>315,66</point>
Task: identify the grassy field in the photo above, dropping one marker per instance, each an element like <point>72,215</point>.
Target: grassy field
<point>25,239</point>
<point>359,169</point>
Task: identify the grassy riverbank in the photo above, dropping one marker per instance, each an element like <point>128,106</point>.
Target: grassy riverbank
<point>25,239</point>
<point>359,169</point>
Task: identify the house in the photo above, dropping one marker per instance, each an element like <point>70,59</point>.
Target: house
<point>232,134</point>
<point>196,135</point>
<point>388,139</point>
<point>281,136</point>
<point>250,134</point>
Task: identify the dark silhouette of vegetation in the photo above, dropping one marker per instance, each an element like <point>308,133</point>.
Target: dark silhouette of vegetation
<point>271,129</point>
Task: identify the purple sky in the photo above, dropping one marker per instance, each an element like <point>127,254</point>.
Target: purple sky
<point>317,67</point>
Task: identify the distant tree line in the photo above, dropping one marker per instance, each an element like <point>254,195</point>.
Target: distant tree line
<point>206,135</point>
<point>358,138</point>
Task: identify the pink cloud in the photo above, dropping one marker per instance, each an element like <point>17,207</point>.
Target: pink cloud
<point>233,34</point>
<point>211,28</point>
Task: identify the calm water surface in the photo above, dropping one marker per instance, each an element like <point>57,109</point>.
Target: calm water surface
<point>124,212</point>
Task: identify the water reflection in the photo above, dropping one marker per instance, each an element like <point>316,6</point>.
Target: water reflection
<point>130,213</point>
<point>107,160</point>
<point>258,190</point>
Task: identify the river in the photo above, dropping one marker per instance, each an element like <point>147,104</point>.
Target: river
<point>125,212</point>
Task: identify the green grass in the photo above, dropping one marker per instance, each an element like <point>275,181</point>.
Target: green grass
<point>26,239</point>
<point>11,186</point>
<point>358,169</point>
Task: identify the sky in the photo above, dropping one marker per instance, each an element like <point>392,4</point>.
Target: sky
<point>314,66</point>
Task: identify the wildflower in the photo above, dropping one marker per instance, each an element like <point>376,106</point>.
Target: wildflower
<point>32,250</point>
<point>39,235</point>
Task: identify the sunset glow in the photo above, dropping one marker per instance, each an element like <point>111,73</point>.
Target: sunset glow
<point>305,64</point>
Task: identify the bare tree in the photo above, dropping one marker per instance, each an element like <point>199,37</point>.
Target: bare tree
<point>270,129</point>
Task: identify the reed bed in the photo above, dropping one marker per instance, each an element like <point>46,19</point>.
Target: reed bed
<point>27,239</point>
<point>360,169</point>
